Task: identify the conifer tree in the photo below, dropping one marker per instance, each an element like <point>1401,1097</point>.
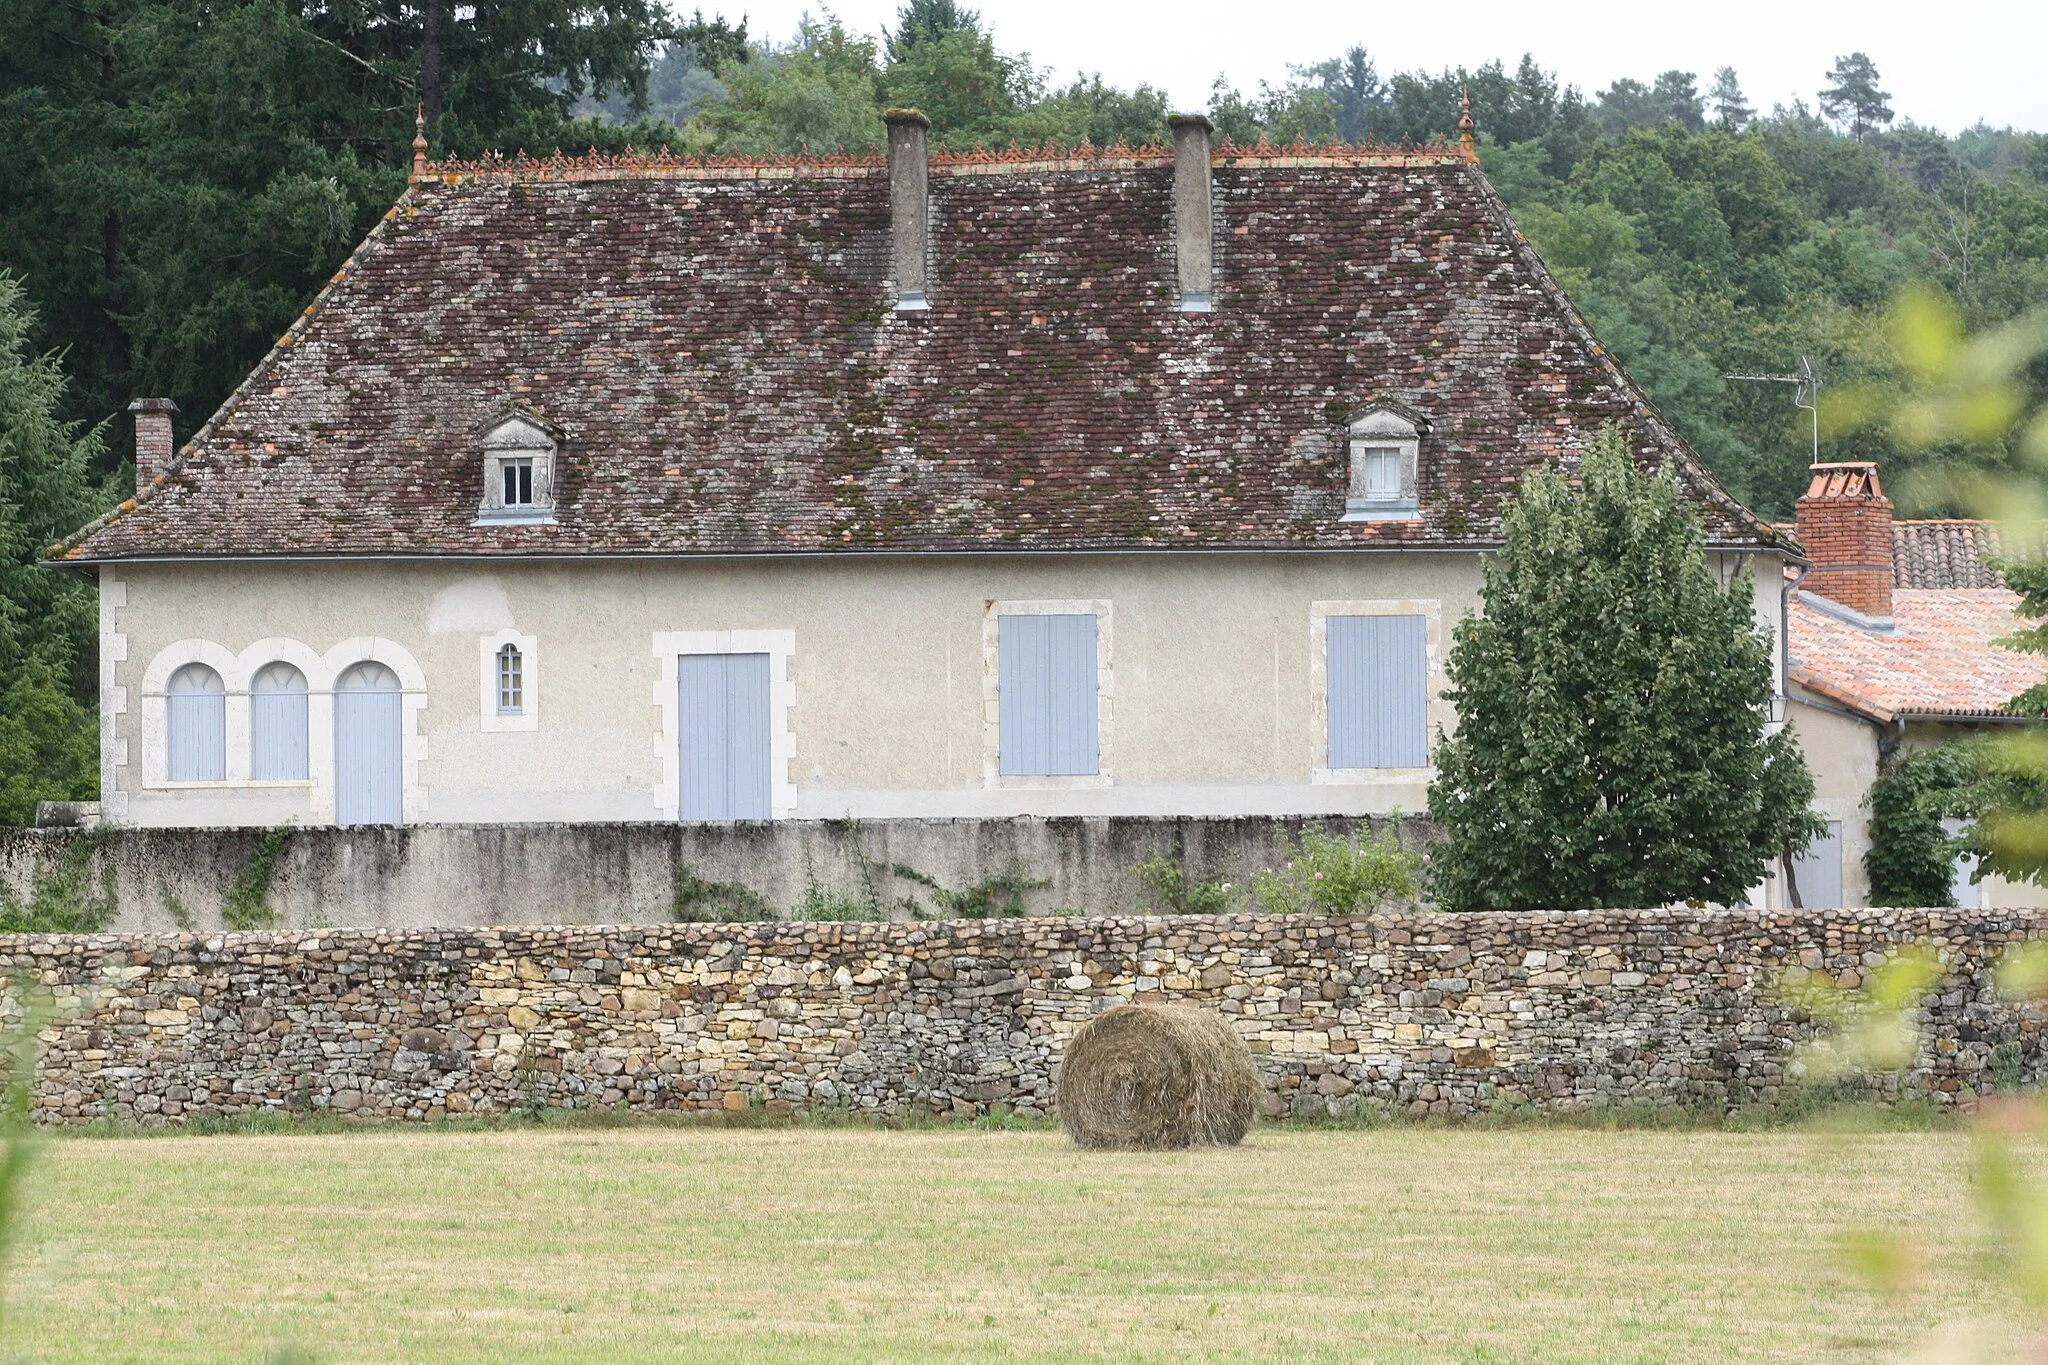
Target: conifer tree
<point>49,622</point>
<point>1612,703</point>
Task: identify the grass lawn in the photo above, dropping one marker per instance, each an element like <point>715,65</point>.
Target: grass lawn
<point>1401,1244</point>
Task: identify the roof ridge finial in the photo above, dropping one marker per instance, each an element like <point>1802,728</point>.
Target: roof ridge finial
<point>419,143</point>
<point>1465,147</point>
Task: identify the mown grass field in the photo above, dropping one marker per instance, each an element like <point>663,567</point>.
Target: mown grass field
<point>656,1244</point>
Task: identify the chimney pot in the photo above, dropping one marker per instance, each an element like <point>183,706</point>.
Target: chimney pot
<point>909,206</point>
<point>153,441</point>
<point>1192,217</point>
<point>1845,527</point>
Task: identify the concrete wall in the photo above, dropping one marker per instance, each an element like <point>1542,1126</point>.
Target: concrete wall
<point>1443,1014</point>
<point>411,877</point>
<point>1210,701</point>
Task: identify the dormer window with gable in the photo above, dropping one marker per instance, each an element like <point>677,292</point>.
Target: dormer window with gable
<point>1385,442</point>
<point>519,471</point>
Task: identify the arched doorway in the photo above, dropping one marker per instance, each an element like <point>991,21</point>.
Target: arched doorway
<point>368,727</point>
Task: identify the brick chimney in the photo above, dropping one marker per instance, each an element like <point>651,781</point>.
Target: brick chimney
<point>1193,226</point>
<point>153,443</point>
<point>909,206</point>
<point>1845,525</point>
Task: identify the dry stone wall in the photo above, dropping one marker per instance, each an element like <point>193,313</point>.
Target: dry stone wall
<point>1437,1014</point>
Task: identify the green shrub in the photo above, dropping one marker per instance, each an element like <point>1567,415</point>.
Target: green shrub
<point>1327,875</point>
<point>64,896</point>
<point>1171,893</point>
<point>1912,858</point>
<point>699,901</point>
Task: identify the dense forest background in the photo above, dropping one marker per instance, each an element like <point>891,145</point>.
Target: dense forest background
<point>178,177</point>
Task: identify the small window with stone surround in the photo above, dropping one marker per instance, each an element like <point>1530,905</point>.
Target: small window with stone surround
<point>1384,444</point>
<point>519,451</point>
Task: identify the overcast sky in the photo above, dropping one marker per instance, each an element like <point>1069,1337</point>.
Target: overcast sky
<point>1946,62</point>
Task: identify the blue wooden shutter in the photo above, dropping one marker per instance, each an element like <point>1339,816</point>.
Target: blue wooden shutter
<point>1045,692</point>
<point>1378,691</point>
<point>277,725</point>
<point>726,745</point>
<point>1819,870</point>
<point>368,743</point>
<point>196,715</point>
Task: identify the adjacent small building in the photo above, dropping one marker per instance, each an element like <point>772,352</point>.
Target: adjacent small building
<point>1894,635</point>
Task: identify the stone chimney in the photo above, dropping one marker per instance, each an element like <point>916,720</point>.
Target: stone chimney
<point>1845,525</point>
<point>1191,211</point>
<point>909,206</point>
<point>153,444</point>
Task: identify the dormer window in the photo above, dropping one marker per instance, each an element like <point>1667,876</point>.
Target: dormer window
<point>519,471</point>
<point>1385,440</point>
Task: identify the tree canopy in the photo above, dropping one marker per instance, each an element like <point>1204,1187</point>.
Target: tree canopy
<point>1636,774</point>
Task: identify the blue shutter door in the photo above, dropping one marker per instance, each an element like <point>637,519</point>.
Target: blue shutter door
<point>368,711</point>
<point>1378,691</point>
<point>277,726</point>
<point>1819,870</point>
<point>199,735</point>
<point>723,719</point>
<point>196,718</point>
<point>1046,714</point>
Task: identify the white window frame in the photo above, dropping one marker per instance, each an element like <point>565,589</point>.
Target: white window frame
<point>1372,432</point>
<point>320,671</point>
<point>1439,714</point>
<point>494,721</point>
<point>992,774</point>
<point>778,645</point>
<point>511,439</point>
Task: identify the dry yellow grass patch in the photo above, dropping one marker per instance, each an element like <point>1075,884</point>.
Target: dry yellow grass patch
<point>666,1244</point>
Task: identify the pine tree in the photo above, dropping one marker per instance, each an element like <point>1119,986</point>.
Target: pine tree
<point>1679,97</point>
<point>48,622</point>
<point>1612,705</point>
<point>1732,112</point>
<point>1854,98</point>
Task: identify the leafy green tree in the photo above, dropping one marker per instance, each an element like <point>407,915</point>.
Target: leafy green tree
<point>943,62</point>
<point>49,624</point>
<point>1854,100</point>
<point>822,91</point>
<point>1912,856</point>
<point>1638,773</point>
<point>1089,109</point>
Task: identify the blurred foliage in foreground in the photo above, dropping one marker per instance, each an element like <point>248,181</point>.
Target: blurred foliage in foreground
<point>1967,394</point>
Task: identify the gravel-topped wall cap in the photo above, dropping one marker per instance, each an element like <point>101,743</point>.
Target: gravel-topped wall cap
<point>717,342</point>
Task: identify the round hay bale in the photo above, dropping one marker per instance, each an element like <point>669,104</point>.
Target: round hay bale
<point>1157,1077</point>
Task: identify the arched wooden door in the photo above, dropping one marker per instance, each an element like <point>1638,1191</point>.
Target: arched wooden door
<point>368,707</point>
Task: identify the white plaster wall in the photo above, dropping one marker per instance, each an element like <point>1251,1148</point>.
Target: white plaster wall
<point>1841,751</point>
<point>1216,664</point>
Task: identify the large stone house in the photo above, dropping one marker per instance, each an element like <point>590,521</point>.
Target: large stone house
<point>1146,481</point>
<point>1894,639</point>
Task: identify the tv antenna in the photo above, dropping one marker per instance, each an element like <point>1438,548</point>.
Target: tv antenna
<point>1805,392</point>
